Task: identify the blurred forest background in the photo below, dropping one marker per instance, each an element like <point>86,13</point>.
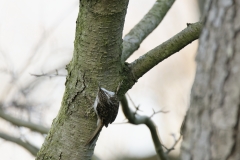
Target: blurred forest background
<point>36,43</point>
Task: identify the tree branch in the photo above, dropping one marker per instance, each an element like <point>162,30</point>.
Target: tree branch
<point>31,148</point>
<point>150,21</point>
<point>20,122</point>
<point>143,64</point>
<point>138,119</point>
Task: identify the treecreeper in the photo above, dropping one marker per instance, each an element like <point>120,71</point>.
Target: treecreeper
<point>106,107</point>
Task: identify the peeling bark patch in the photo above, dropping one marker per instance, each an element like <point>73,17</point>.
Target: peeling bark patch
<point>79,87</point>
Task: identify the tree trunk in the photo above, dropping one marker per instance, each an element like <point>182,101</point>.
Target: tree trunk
<point>96,60</point>
<point>212,128</point>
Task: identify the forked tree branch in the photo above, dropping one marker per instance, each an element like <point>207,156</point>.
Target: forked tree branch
<point>23,123</point>
<point>149,22</point>
<point>31,148</point>
<point>146,62</point>
<point>139,119</point>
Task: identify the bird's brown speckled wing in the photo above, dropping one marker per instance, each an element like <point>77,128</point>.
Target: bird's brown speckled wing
<point>107,107</point>
<point>114,108</point>
<point>103,112</point>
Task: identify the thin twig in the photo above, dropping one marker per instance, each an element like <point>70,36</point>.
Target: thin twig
<point>56,74</point>
<point>154,112</point>
<point>175,143</point>
<point>136,107</point>
<point>121,123</point>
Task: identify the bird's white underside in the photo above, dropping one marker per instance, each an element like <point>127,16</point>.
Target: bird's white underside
<point>109,93</point>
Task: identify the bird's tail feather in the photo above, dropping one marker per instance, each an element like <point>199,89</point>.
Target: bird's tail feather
<point>95,134</point>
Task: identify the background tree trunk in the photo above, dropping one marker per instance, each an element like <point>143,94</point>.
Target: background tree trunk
<point>212,128</point>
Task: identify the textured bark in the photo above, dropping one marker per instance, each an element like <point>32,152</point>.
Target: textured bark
<point>212,129</point>
<point>96,60</point>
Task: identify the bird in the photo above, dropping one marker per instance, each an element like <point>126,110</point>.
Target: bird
<point>106,107</point>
